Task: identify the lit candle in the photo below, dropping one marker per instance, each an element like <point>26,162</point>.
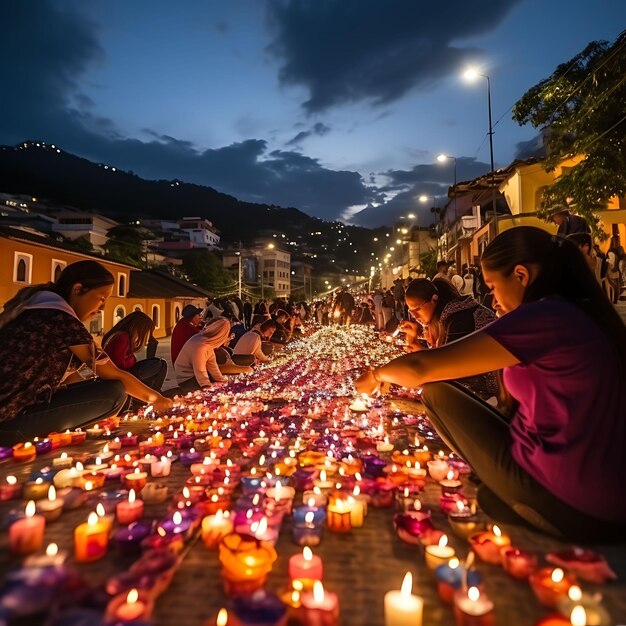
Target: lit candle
<point>305,566</point>
<point>471,608</point>
<point>62,462</point>
<point>26,533</point>
<point>518,563</point>
<point>52,507</point>
<point>403,608</point>
<point>136,480</point>
<point>450,484</point>
<point>551,585</point>
<point>215,528</point>
<point>595,613</point>
<point>24,452</point>
<point>129,511</point>
<point>339,515</point>
<point>50,558</point>
<point>488,545</point>
<point>91,539</point>
<point>319,607</point>
<point>10,490</point>
<point>35,489</point>
<point>451,576</point>
<point>438,469</point>
<point>464,521</point>
<point>438,554</point>
<point>130,607</point>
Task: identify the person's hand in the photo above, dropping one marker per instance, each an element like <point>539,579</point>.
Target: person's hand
<point>367,383</point>
<point>409,328</point>
<point>414,347</point>
<point>219,384</point>
<point>162,404</point>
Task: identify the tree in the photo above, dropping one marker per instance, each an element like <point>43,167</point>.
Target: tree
<point>126,244</point>
<point>205,270</point>
<point>582,109</point>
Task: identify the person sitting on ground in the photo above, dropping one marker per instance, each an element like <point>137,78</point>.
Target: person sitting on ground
<point>196,365</point>
<point>252,341</point>
<point>445,316</point>
<point>187,326</point>
<point>284,327</point>
<point>128,336</point>
<point>560,462</point>
<point>43,344</point>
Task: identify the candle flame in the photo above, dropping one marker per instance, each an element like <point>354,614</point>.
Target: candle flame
<point>473,594</point>
<point>295,596</point>
<point>575,593</point>
<point>100,512</point>
<point>11,480</point>
<point>407,584</point>
<point>30,508</point>
<point>557,575</point>
<point>222,618</point>
<point>450,475</point>
<point>460,505</point>
<point>52,493</point>
<point>310,502</point>
<point>177,518</point>
<point>323,475</point>
<point>578,616</point>
<point>132,597</point>
<point>131,496</point>
<point>318,592</point>
<point>79,466</point>
<point>52,549</point>
<point>261,528</point>
<point>308,518</point>
<point>92,520</point>
<point>443,541</point>
<point>453,563</point>
<point>496,531</point>
<point>307,554</point>
<point>185,492</point>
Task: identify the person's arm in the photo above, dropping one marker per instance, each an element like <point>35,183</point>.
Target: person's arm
<point>209,366</point>
<point>475,354</point>
<point>134,387</point>
<point>258,351</point>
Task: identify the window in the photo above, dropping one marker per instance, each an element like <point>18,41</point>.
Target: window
<point>156,315</point>
<point>57,267</point>
<point>22,268</point>
<point>138,308</point>
<point>121,285</point>
<point>119,314</point>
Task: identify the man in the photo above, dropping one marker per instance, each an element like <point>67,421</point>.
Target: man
<point>568,224</point>
<point>252,341</point>
<point>247,312</point>
<point>187,326</point>
<point>442,270</point>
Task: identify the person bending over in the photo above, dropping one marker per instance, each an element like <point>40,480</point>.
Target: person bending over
<point>559,465</point>
<point>128,336</point>
<point>252,341</point>
<point>43,344</point>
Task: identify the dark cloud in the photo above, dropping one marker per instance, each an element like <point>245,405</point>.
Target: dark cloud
<point>347,51</point>
<point>534,147</point>
<point>405,187</point>
<point>318,129</point>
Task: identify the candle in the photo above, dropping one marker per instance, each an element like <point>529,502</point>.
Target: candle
<point>595,613</point>
<point>136,480</point>
<point>403,608</point>
<point>488,545</point>
<point>305,566</point>
<point>153,493</point>
<point>10,490</point>
<point>50,558</point>
<point>35,489</point>
<point>319,607</point>
<point>176,526</point>
<point>451,576</point>
<point>24,452</point>
<point>357,512</point>
<point>438,469</point>
<point>129,511</point>
<point>339,515</point>
<point>438,554</point>
<point>128,539</point>
<point>130,607</point>
<point>62,462</point>
<point>215,528</point>
<point>551,585</point>
<point>308,532</point>
<point>464,521</point>
<point>52,507</point>
<point>518,563</point>
<point>450,485</point>
<point>26,533</point>
<point>91,539</point>
<point>471,608</point>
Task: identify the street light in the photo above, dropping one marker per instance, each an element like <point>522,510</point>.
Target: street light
<point>472,74</point>
<point>239,271</point>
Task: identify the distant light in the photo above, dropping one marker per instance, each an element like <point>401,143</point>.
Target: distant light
<point>411,216</point>
<point>471,73</point>
<point>441,158</point>
<point>423,198</point>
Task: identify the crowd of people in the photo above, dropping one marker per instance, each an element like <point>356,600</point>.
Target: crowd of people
<point>521,361</point>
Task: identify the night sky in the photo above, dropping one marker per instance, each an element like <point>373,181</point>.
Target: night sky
<point>330,106</point>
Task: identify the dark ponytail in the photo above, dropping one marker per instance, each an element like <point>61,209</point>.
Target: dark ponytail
<point>562,272</point>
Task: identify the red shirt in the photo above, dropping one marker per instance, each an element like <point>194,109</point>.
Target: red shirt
<point>183,331</point>
<point>119,350</point>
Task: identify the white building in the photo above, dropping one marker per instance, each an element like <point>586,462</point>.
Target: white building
<point>201,231</point>
<point>75,224</point>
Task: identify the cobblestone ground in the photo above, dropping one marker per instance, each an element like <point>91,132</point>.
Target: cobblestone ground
<point>360,567</point>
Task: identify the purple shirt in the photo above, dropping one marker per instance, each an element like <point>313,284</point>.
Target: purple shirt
<point>569,432</point>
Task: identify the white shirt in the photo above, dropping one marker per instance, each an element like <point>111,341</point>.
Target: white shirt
<point>250,343</point>
<point>197,358</point>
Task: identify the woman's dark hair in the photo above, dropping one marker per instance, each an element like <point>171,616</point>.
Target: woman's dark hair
<point>139,327</point>
<point>425,289</point>
<point>89,274</point>
<point>562,271</point>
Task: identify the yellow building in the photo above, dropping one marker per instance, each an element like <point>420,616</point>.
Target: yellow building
<point>28,257</point>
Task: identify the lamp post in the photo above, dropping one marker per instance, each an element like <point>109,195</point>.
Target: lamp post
<point>238,253</point>
<point>471,74</point>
